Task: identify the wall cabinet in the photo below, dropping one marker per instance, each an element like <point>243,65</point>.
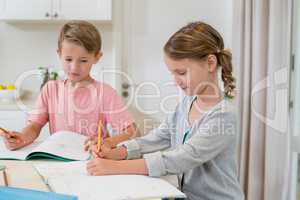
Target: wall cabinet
<point>96,10</point>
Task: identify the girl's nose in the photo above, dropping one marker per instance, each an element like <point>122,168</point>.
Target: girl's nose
<point>178,81</point>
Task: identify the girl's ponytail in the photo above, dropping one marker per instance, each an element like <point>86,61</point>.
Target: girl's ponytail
<point>224,57</point>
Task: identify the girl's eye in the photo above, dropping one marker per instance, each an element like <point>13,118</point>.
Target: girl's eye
<point>181,73</point>
<point>84,61</point>
<point>68,60</point>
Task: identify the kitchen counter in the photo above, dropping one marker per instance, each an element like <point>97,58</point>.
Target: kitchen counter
<point>26,102</point>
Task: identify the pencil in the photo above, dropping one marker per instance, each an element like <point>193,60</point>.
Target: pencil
<point>4,130</point>
<point>5,178</point>
<point>99,135</point>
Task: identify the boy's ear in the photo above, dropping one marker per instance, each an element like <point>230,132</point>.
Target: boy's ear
<point>212,62</point>
<point>58,52</point>
<point>98,56</point>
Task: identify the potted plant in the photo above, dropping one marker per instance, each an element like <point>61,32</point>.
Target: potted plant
<point>47,75</point>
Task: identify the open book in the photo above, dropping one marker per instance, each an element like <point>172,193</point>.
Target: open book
<point>71,178</point>
<point>62,145</point>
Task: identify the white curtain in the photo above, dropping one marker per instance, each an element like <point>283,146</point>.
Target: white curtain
<point>261,50</point>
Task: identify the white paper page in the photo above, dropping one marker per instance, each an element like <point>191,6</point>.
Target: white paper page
<point>72,178</point>
<point>59,169</point>
<point>117,187</point>
<point>65,144</point>
<point>19,154</point>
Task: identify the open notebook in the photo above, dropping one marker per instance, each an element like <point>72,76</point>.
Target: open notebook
<point>71,178</point>
<point>62,145</point>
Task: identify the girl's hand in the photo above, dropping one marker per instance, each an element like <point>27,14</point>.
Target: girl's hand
<point>91,141</point>
<point>106,146</point>
<point>100,167</point>
<point>93,146</point>
<point>14,140</point>
<point>108,152</point>
<point>108,143</point>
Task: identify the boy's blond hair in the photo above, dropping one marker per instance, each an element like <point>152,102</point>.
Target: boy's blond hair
<point>81,33</point>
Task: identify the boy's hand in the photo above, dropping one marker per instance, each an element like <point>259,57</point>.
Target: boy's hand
<point>14,140</point>
<point>89,143</point>
<point>100,167</point>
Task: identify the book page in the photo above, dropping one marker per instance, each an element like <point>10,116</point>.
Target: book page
<point>114,187</point>
<point>72,178</point>
<point>19,154</point>
<point>65,144</point>
<point>59,169</point>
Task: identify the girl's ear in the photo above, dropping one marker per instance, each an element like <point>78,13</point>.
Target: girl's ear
<point>212,63</point>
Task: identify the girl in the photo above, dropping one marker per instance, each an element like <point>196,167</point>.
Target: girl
<point>79,102</point>
<point>199,138</point>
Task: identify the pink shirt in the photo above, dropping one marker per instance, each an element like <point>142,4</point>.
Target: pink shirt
<point>79,110</point>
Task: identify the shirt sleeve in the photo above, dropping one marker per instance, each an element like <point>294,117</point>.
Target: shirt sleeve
<point>116,112</point>
<point>40,113</point>
<point>155,140</point>
<point>206,143</point>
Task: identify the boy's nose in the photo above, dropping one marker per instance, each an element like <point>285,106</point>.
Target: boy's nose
<point>73,66</point>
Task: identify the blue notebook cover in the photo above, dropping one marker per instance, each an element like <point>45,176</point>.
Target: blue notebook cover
<point>11,193</point>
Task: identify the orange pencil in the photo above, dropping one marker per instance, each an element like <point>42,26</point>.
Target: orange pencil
<point>99,135</point>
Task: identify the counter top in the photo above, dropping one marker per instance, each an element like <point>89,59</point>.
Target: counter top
<point>26,102</point>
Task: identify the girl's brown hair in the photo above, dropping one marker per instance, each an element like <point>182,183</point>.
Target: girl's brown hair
<point>197,40</point>
<point>81,33</point>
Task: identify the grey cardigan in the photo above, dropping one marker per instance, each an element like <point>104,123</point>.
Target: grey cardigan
<point>207,157</point>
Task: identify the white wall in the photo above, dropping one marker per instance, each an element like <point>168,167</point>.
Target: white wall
<point>154,21</point>
<point>149,24</point>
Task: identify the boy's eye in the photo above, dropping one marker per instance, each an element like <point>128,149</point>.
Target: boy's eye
<point>68,59</point>
<point>181,73</point>
<point>84,61</point>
